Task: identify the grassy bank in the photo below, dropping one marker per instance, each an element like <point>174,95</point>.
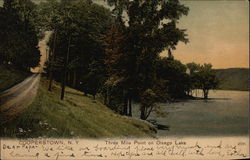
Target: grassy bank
<point>9,76</point>
<point>76,116</point>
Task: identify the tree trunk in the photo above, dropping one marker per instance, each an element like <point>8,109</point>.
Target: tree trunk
<point>109,96</point>
<point>148,113</point>
<point>125,103</point>
<point>74,79</point>
<point>48,54</point>
<point>65,70</point>
<point>143,117</point>
<point>130,107</point>
<point>50,78</point>
<point>205,93</point>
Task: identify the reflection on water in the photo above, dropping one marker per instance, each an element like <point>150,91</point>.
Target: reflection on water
<point>225,114</point>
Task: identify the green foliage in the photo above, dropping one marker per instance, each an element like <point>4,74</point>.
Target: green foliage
<point>48,15</point>
<point>18,38</point>
<point>178,80</point>
<point>10,76</point>
<point>95,78</point>
<point>150,27</point>
<point>77,42</point>
<point>161,90</point>
<point>113,95</point>
<point>117,62</point>
<point>207,79</point>
<point>202,77</point>
<point>172,73</point>
<point>148,98</point>
<point>193,67</point>
<point>148,103</point>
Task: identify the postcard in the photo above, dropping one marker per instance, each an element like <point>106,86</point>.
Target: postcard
<point>124,79</point>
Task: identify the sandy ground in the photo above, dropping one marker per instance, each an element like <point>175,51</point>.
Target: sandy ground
<point>44,50</point>
<point>14,100</point>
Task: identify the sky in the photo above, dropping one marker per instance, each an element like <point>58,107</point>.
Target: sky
<point>218,32</point>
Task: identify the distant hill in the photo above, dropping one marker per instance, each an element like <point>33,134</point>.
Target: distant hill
<point>233,78</point>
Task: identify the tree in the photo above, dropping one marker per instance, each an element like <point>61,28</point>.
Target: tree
<point>18,36</point>
<point>173,74</point>
<point>27,12</point>
<point>148,102</point>
<point>96,78</point>
<point>207,79</point>
<point>151,28</point>
<point>3,56</point>
<point>78,27</point>
<point>193,68</point>
<point>117,61</point>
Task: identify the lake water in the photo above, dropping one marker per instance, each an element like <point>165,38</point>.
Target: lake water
<point>225,114</point>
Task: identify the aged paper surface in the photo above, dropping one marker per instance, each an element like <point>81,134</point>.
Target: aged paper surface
<point>161,148</point>
<point>110,149</point>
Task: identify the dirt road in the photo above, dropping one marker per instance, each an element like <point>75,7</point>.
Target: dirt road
<point>44,53</point>
<point>14,100</point>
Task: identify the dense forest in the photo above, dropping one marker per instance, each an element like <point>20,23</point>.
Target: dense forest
<point>18,35</point>
<point>110,54</point>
